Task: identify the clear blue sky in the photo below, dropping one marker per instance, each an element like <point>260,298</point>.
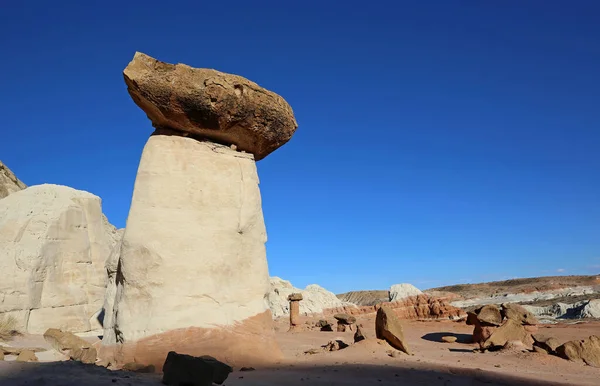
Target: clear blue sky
<point>438,141</point>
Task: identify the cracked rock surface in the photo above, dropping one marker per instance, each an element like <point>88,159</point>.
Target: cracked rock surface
<point>53,244</point>
<point>205,103</point>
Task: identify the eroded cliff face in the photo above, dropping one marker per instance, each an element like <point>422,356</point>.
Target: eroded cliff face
<point>412,307</point>
<point>54,241</point>
<point>9,183</point>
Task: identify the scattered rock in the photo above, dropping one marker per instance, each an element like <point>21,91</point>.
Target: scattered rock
<point>17,350</point>
<point>328,327</point>
<point>539,350</point>
<point>64,341</point>
<point>324,325</point>
<point>335,345</point>
<point>313,351</point>
<point>206,103</point>
<point>247,369</point>
<point>489,315</point>
<point>139,368</point>
<point>586,350</point>
<point>449,339</point>
<point>27,356</point>
<point>518,314</point>
<point>549,344</point>
<point>394,353</point>
<point>358,335</point>
<point>182,369</point>
<point>341,327</point>
<point>86,355</point>
<point>482,333</point>
<point>388,327</point>
<point>514,346</point>
<point>509,331</point>
<point>1,355</point>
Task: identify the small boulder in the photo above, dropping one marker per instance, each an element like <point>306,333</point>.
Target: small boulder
<point>63,340</point>
<point>182,369</point>
<point>328,327</point>
<point>586,350</point>
<point>548,343</point>
<point>449,339</point>
<point>388,327</point>
<point>341,327</point>
<point>509,331</point>
<point>489,315</point>
<point>482,333</point>
<point>472,319</point>
<point>540,350</point>
<point>138,368</point>
<point>324,325</point>
<point>519,314</point>
<point>27,356</point>
<point>85,355</point>
<point>335,345</point>
<point>514,346</point>
<point>313,351</point>
<point>358,335</point>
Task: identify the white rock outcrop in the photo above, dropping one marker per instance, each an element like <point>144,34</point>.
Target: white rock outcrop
<point>579,310</point>
<point>591,309</point>
<point>9,183</point>
<point>402,291</point>
<point>54,241</point>
<point>315,298</point>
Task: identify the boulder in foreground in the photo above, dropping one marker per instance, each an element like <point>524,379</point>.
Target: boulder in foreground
<point>509,331</point>
<point>388,327</point>
<point>586,350</point>
<point>205,103</point>
<point>182,369</point>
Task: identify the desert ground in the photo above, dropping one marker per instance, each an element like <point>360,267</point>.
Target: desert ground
<point>366,362</point>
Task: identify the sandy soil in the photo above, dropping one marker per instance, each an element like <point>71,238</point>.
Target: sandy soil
<point>367,362</point>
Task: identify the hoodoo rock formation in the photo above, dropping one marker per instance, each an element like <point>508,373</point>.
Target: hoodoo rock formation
<point>192,273</point>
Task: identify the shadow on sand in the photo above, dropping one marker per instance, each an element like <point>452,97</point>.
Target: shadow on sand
<point>74,373</point>
<point>437,337</point>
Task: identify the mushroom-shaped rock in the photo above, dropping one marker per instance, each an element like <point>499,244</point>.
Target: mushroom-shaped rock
<point>205,103</point>
<point>295,297</point>
<point>345,319</point>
